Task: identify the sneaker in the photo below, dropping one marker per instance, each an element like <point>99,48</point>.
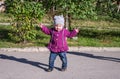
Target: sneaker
<point>49,70</point>
<point>63,69</point>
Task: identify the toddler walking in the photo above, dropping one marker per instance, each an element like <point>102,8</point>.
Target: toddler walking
<point>58,42</point>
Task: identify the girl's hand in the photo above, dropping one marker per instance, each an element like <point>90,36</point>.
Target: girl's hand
<point>40,25</point>
<point>77,30</point>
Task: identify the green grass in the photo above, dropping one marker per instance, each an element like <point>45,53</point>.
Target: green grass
<point>108,42</point>
<point>94,42</point>
<point>100,33</point>
<point>5,18</point>
<point>96,24</point>
<point>86,37</point>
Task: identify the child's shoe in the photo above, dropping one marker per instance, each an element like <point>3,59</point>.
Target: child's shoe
<point>49,70</point>
<point>63,69</point>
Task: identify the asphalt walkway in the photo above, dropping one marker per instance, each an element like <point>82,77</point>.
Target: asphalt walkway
<point>83,63</point>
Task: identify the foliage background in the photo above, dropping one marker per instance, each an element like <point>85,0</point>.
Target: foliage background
<point>98,21</point>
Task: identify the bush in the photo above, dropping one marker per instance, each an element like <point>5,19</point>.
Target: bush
<point>25,15</point>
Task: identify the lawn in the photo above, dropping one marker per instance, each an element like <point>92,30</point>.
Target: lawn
<point>86,37</point>
<point>92,33</point>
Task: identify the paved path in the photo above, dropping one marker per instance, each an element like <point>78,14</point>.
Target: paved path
<point>82,64</point>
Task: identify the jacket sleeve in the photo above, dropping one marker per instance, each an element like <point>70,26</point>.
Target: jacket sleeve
<point>70,34</point>
<point>46,30</point>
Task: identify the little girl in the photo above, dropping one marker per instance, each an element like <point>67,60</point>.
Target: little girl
<point>58,42</point>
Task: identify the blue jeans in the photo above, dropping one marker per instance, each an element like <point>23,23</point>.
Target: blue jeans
<point>53,56</point>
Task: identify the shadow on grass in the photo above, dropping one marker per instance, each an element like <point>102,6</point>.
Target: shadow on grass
<point>96,33</point>
<point>95,57</point>
<point>25,61</point>
<point>4,34</point>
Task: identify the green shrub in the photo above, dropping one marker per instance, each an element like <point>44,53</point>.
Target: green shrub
<point>25,14</point>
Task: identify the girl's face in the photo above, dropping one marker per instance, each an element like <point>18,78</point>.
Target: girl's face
<point>58,27</point>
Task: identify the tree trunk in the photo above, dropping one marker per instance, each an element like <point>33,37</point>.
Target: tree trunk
<point>66,21</point>
<point>118,6</point>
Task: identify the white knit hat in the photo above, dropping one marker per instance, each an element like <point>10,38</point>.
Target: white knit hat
<point>59,20</point>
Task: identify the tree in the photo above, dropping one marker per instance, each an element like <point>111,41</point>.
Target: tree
<point>82,9</point>
<point>108,8</point>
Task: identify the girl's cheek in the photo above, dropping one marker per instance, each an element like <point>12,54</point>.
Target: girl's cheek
<point>59,27</point>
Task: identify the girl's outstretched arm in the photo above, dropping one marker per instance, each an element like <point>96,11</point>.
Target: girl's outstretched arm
<point>44,29</point>
<point>72,33</point>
